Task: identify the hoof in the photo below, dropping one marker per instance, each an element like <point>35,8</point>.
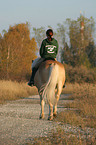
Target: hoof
<point>54,115</point>
<point>41,117</point>
<point>50,118</point>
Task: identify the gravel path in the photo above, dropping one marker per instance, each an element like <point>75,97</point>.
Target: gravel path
<point>19,121</point>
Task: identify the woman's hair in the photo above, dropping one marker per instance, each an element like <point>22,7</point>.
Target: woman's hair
<point>48,32</point>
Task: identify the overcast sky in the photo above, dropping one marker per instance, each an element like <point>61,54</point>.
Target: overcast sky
<point>43,12</point>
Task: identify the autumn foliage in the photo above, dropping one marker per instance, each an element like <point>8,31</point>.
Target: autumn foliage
<point>77,50</point>
<point>16,53</point>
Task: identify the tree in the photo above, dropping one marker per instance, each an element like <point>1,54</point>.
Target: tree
<point>39,35</point>
<point>60,36</point>
<point>18,50</point>
<point>91,52</point>
<point>80,35</point>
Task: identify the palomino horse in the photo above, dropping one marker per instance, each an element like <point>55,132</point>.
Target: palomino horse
<point>49,79</point>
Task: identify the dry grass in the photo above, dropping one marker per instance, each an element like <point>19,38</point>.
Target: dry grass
<point>84,97</point>
<point>80,74</point>
<point>13,90</point>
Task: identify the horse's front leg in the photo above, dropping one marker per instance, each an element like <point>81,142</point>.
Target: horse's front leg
<point>42,109</point>
<point>50,112</point>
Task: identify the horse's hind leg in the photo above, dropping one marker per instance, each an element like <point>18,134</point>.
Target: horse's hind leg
<point>50,112</point>
<point>59,90</point>
<point>42,109</point>
<point>55,109</point>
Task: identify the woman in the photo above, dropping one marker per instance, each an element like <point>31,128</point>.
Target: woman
<point>48,50</point>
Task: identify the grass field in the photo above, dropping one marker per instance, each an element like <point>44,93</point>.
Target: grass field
<point>84,96</point>
<point>82,115</point>
<point>13,90</point>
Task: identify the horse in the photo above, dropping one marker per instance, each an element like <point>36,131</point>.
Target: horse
<point>49,80</point>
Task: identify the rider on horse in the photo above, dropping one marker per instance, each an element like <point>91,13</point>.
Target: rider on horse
<point>48,50</point>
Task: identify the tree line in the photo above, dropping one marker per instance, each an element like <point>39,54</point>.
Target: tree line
<point>76,41</point>
<point>18,49</point>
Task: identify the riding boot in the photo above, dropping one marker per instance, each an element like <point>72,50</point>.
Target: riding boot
<point>31,82</point>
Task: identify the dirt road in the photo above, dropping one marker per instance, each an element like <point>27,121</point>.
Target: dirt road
<point>19,121</point>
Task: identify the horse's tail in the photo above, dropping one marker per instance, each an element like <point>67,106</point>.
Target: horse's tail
<point>49,91</point>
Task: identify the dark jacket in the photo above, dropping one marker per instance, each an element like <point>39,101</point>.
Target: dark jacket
<point>48,48</point>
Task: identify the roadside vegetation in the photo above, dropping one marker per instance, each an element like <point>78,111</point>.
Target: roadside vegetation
<point>10,90</point>
<point>80,74</point>
<point>83,113</point>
